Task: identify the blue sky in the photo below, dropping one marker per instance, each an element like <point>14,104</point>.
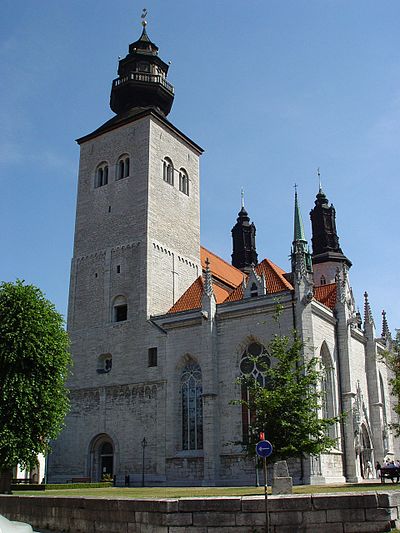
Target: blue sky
<point>271,90</point>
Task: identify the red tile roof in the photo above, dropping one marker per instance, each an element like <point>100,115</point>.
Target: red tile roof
<point>326,294</point>
<point>220,269</point>
<point>274,277</point>
<point>191,299</point>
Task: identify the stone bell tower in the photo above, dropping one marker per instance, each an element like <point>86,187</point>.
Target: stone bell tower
<point>136,250</point>
<point>138,199</point>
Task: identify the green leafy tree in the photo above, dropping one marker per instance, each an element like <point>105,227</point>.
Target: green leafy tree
<point>34,364</point>
<point>392,358</point>
<point>286,408</point>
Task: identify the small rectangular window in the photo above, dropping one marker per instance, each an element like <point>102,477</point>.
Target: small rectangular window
<point>152,356</point>
<point>118,269</point>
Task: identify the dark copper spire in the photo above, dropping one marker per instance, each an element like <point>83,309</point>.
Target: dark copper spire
<point>325,240</point>
<point>244,241</point>
<point>141,81</point>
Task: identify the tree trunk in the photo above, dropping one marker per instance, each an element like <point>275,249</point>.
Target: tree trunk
<point>5,481</point>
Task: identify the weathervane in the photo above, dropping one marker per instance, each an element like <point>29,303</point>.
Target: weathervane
<point>143,17</point>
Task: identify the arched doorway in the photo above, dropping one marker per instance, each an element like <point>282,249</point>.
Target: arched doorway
<point>102,458</point>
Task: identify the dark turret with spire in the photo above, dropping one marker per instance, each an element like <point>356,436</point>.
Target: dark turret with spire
<point>325,241</point>
<point>141,81</point>
<point>244,241</point>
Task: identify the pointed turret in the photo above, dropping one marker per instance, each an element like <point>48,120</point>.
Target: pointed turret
<point>244,242</point>
<point>208,289</point>
<point>325,241</point>
<point>368,318</point>
<point>386,335</point>
<point>301,257</point>
<point>141,81</point>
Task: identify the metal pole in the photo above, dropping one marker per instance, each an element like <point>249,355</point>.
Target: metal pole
<point>257,476</point>
<point>265,496</point>
<point>144,444</point>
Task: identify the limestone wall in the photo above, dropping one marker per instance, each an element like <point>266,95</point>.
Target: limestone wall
<point>333,513</point>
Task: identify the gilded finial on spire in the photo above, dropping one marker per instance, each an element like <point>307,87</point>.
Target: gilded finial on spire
<point>143,17</point>
<point>319,180</point>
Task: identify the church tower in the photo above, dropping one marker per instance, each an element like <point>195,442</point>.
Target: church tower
<point>136,250</point>
<point>137,235</point>
<point>244,242</point>
<point>327,255</point>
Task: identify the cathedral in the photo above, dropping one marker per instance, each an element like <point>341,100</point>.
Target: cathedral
<point>161,327</point>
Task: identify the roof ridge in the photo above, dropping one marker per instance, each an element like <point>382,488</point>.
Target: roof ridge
<point>275,269</point>
<point>220,258</point>
<point>325,285</point>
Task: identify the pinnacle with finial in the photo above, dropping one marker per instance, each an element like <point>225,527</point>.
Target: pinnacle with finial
<point>208,279</point>
<point>242,197</point>
<point>367,310</point>
<point>385,326</point>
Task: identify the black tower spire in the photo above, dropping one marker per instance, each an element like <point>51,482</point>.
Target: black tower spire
<point>325,241</point>
<point>244,242</point>
<point>141,81</point>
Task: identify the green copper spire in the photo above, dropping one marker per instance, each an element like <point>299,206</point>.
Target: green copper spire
<point>301,257</point>
<point>299,234</point>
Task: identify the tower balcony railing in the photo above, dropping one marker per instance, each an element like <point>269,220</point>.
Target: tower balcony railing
<point>145,78</point>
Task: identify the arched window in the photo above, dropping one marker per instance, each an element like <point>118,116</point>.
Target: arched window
<point>323,280</point>
<point>123,167</point>
<point>104,363</point>
<point>120,309</point>
<point>254,362</point>
<point>192,407</point>
<point>168,171</point>
<point>253,290</point>
<point>328,389</point>
<point>183,181</point>
<point>101,177</point>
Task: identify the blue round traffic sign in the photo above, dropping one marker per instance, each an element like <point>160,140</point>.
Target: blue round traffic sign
<point>264,448</point>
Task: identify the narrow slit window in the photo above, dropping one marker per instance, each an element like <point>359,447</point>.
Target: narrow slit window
<point>152,357</point>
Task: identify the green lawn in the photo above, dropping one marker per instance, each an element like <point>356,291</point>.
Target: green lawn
<point>185,492</point>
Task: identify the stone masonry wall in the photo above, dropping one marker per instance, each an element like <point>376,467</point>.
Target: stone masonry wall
<point>333,513</point>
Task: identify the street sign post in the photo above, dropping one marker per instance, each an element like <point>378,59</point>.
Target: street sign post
<point>264,449</point>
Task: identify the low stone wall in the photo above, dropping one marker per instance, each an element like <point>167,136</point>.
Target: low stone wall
<point>325,513</point>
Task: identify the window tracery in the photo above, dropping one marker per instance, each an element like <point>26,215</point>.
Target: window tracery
<point>192,407</point>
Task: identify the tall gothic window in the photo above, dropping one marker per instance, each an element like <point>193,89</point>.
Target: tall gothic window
<point>256,369</point>
<point>328,389</point>
<point>183,181</point>
<point>101,177</point>
<point>168,171</point>
<point>192,407</point>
